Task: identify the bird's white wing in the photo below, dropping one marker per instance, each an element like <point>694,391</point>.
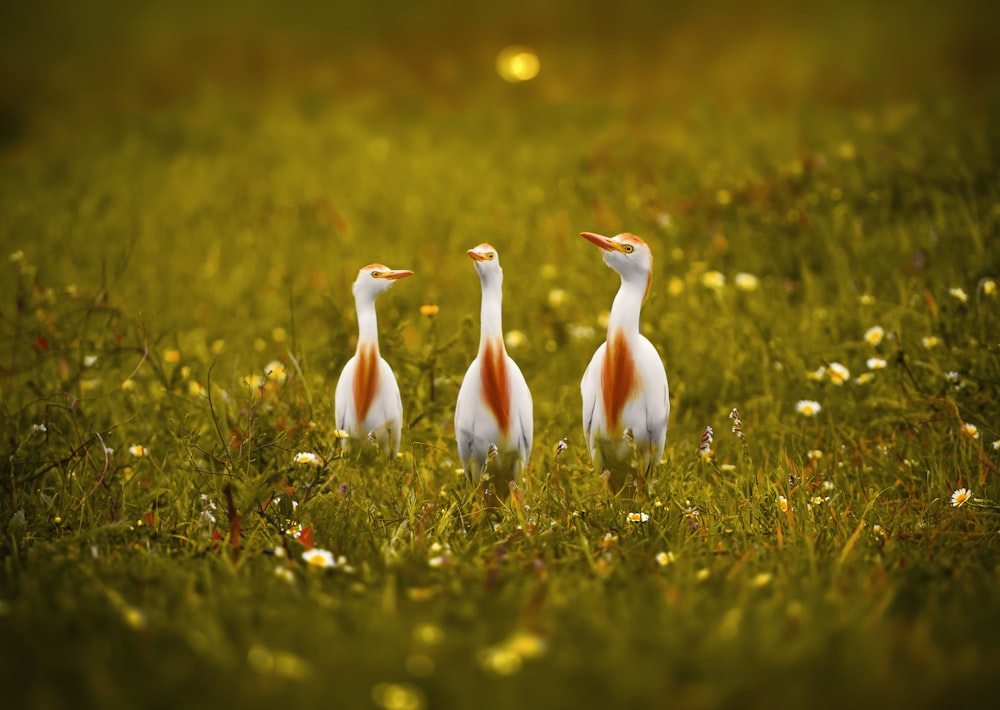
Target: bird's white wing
<point>656,392</point>
<point>392,401</point>
<point>465,408</point>
<point>590,389</point>
<point>521,401</point>
<point>343,409</point>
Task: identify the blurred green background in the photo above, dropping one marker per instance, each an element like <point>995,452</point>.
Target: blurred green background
<point>315,137</point>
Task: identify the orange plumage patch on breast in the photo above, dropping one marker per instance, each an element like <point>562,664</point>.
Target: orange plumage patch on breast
<point>619,380</point>
<point>365,381</point>
<point>496,392</point>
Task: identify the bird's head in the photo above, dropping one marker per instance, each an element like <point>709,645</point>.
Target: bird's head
<point>487,262</point>
<point>376,278</point>
<point>627,254</point>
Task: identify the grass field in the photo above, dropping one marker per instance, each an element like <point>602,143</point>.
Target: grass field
<point>186,195</point>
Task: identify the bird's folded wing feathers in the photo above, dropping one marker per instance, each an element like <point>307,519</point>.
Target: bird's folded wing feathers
<point>589,390</point>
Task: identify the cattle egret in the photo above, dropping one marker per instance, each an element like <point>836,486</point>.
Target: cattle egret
<point>367,404</point>
<point>493,416</point>
<point>626,400</point>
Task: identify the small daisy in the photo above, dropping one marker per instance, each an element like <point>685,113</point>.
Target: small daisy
<point>874,335</point>
<point>438,561</point>
<point>990,287</point>
<point>665,558</point>
<point>808,407</point>
<point>282,572</point>
<point>637,517</point>
<point>875,363</point>
<point>319,558</point>
<point>276,371</point>
<point>960,497</point>
<point>138,450</point>
<point>39,428</point>
<point>430,310</point>
<point>89,360</point>
<point>815,455</point>
<point>996,445</point>
<point>307,457</point>
<point>746,282</point>
<point>971,429</point>
<point>864,378</point>
<point>838,373</point>
<point>959,294</point>
<point>952,376</point>
<point>783,504</point>
<point>930,341</point>
<point>714,280</point>
<point>827,485</point>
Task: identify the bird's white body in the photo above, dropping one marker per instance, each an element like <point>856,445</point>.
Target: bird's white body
<point>367,404</point>
<point>493,414</point>
<point>626,399</point>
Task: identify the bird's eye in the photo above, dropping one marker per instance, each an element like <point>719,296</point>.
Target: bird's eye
<point>629,248</point>
<point>491,256</point>
<point>376,274</point>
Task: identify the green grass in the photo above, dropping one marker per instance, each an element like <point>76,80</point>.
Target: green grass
<point>200,212</point>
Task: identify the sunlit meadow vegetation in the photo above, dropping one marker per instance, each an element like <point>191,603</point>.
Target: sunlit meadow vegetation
<point>184,203</point>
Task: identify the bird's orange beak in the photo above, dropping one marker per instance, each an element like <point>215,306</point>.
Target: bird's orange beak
<point>476,255</point>
<point>603,242</point>
<point>397,274</point>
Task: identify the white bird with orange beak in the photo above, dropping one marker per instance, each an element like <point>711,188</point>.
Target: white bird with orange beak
<point>367,404</point>
<point>626,400</point>
<point>493,415</point>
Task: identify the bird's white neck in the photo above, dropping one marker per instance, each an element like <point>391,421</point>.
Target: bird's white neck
<point>490,314</point>
<point>367,322</point>
<point>625,308</point>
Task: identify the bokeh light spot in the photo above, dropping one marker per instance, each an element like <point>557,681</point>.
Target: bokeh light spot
<point>517,63</point>
<point>398,696</point>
